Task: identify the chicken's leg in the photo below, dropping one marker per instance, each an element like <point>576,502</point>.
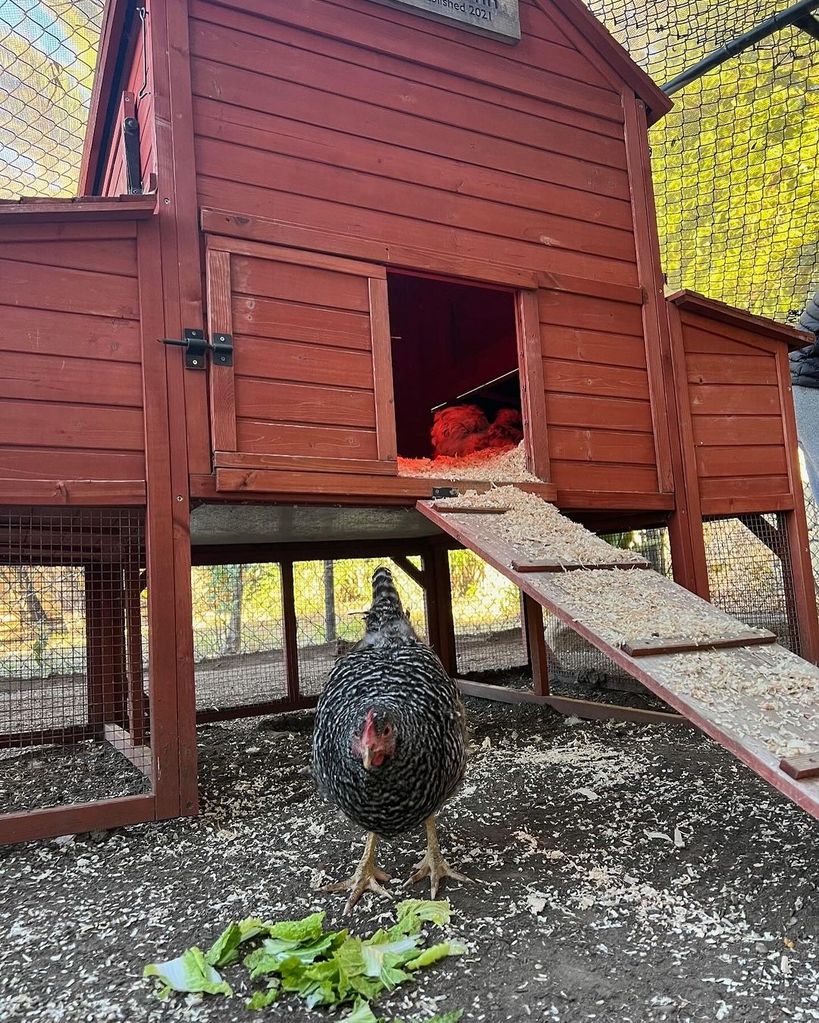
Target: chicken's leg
<point>433,865</point>
<point>366,877</point>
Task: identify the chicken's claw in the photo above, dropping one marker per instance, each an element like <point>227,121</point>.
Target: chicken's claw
<point>433,865</point>
<point>365,879</point>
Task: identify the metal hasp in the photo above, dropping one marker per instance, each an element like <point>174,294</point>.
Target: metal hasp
<point>799,15</point>
<point>195,344</point>
<point>222,349</point>
<point>133,169</point>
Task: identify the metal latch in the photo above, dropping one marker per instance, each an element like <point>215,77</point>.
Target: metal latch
<point>222,348</point>
<point>196,347</point>
<point>195,344</point>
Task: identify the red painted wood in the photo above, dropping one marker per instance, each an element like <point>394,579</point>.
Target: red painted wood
<point>570,408</point>
<point>741,430</point>
<point>110,813</point>
<point>221,378</point>
<point>588,378</point>
<point>70,335</point>
<point>717,369</point>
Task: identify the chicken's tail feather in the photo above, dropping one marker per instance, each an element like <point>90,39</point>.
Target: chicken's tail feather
<point>386,621</point>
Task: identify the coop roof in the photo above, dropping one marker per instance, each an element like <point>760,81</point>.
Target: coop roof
<point>709,307</point>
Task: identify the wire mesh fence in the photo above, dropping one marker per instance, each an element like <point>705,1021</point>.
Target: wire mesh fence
<point>243,660</point>
<point>734,161</point>
<point>749,573</point>
<point>74,719</point>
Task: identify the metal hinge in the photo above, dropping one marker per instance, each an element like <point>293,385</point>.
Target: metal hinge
<point>196,346</point>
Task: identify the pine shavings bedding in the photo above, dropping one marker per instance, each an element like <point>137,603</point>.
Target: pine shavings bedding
<point>537,530</point>
<point>483,467</point>
<point>766,693</point>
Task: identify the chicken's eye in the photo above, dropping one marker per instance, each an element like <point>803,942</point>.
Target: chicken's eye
<point>388,730</point>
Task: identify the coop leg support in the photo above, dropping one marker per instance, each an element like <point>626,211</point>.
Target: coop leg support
<point>533,621</point>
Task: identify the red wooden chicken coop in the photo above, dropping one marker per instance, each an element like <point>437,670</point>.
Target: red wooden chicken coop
<point>302,228</point>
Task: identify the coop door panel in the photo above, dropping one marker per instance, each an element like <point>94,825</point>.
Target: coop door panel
<point>311,384</point>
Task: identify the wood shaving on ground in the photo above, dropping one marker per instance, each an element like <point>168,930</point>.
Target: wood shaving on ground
<point>488,466</point>
<point>633,607</point>
<point>536,529</point>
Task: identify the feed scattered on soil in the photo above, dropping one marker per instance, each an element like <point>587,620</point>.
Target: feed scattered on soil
<point>482,466</point>
<point>538,530</point>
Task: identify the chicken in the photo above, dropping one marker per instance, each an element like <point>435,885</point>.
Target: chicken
<point>389,745</point>
<point>506,430</point>
<point>463,429</point>
<point>457,429</point>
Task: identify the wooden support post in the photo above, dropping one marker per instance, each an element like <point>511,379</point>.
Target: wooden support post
<point>291,636</point>
<point>439,606</point>
<point>800,588</point>
<point>536,644</point>
<point>407,567</point>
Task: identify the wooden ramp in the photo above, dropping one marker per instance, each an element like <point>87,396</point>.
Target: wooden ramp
<point>757,699</point>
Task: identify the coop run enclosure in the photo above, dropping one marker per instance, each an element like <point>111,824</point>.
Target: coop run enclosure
<point>221,366</point>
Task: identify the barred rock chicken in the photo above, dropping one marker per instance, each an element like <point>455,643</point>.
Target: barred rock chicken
<point>389,743</point>
<point>463,429</point>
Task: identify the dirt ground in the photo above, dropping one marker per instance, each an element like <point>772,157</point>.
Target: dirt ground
<point>621,873</point>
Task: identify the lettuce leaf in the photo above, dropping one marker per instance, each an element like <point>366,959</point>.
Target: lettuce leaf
<point>189,973</point>
<point>436,952</point>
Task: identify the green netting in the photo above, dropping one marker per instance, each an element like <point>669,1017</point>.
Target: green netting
<point>734,162</point>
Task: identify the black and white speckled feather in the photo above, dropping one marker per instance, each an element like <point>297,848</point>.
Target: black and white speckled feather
<point>392,673</point>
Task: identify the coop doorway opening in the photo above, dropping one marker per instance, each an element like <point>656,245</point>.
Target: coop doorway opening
<point>456,379</point>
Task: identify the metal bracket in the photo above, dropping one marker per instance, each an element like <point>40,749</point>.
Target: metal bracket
<point>222,349</point>
<point>442,492</point>
<point>195,344</point>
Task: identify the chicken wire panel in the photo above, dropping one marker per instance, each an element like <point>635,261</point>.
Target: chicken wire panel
<point>486,611</point>
<point>331,598</point>
<point>238,635</point>
<point>750,573</point>
<point>48,51</point>
<point>576,668</point>
<point>74,722</point>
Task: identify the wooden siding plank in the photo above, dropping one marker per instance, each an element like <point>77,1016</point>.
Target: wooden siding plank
<point>39,286</point>
<point>590,314</point>
<point>59,463</point>
<point>734,399</point>
<point>603,476</point>
<point>276,279</point>
<point>590,378</point>
<point>713,430</point>
<point>324,146</point>
<point>387,228</point>
<point>716,369</point>
<point>564,408</point>
<point>51,424</point>
<point>302,363</point>
<point>72,335</point>
<point>284,402</point>
<point>717,491</point>
<point>706,335</point>
<point>601,445</point>
<point>54,378</point>
<point>245,89</point>
<point>292,321</point>
<point>405,198</point>
<point>748,460</point>
<point>581,345</point>
<point>316,441</point>
<point>97,255</point>
<point>67,231</point>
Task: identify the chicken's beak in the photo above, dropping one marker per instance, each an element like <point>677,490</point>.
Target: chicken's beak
<point>367,759</point>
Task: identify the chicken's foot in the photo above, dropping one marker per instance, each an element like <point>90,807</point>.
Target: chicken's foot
<point>366,877</point>
<point>433,865</point>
